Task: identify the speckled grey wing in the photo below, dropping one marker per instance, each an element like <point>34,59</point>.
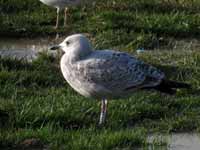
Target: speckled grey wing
<point>118,71</point>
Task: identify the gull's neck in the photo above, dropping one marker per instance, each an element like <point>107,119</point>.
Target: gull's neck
<point>78,53</point>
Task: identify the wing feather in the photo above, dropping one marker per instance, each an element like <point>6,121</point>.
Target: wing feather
<point>118,71</point>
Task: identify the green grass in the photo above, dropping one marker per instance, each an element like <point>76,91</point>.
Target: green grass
<point>36,101</point>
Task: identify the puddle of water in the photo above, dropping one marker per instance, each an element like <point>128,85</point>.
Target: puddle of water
<point>177,141</point>
<point>185,44</point>
<point>27,49</point>
<point>24,44</point>
<point>20,54</point>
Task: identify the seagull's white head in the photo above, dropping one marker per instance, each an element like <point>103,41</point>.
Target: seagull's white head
<point>76,45</point>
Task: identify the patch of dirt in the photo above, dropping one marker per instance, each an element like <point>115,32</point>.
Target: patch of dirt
<point>31,144</point>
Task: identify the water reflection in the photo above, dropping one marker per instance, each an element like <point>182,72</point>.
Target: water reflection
<point>177,141</point>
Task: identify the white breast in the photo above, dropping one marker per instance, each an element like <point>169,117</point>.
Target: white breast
<point>80,85</point>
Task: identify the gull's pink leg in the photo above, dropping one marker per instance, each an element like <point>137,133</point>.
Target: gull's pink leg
<point>104,103</point>
<point>57,19</point>
<point>65,19</point>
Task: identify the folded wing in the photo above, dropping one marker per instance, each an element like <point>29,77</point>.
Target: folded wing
<point>118,71</point>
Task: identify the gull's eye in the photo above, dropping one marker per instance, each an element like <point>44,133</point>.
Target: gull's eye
<point>67,43</point>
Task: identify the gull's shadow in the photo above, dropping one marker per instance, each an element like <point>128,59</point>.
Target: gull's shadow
<point>4,118</point>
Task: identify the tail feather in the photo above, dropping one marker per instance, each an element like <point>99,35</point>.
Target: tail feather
<point>169,87</point>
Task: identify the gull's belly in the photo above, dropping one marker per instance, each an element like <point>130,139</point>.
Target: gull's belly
<point>60,3</point>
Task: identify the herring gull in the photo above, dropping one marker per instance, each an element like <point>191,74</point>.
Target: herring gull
<point>106,74</point>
